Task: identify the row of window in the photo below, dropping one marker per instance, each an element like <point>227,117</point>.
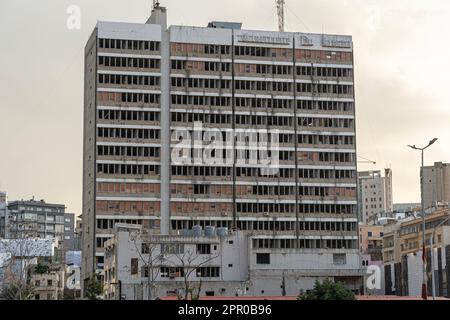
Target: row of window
<point>142,98</point>
<point>318,156</point>
<point>263,86</point>
<point>260,190</point>
<point>262,103</point>
<point>270,225</point>
<point>261,173</point>
<point>124,62</point>
<point>128,151</point>
<point>263,120</point>
<point>177,272</point>
<point>304,244</point>
<point>126,115</point>
<point>290,208</point>
<point>128,188</point>
<point>302,191</point>
<point>124,79</point>
<point>124,133</point>
<point>127,206</point>
<point>253,51</point>
<point>280,138</point>
<point>136,169</point>
<point>128,44</point>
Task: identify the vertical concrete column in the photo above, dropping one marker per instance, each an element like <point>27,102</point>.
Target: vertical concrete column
<point>159,16</point>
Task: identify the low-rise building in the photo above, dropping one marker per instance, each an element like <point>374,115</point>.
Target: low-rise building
<point>48,285</point>
<point>224,263</point>
<point>371,241</point>
<point>19,256</point>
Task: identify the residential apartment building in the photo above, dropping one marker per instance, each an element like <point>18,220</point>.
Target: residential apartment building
<point>36,219</point>
<point>374,194</point>
<point>436,184</point>
<point>371,241</point>
<point>160,101</point>
<point>402,254</point>
<point>70,239</point>
<point>48,285</point>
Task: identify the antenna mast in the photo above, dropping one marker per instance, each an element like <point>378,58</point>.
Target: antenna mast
<point>280,9</point>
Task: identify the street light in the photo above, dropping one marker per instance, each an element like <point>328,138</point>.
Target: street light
<point>424,280</point>
<point>433,286</point>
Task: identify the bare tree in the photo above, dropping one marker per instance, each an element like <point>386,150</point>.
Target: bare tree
<point>17,260</point>
<point>189,261</point>
<point>146,249</point>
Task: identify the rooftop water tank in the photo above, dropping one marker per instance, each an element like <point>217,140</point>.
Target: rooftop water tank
<point>197,231</point>
<point>222,232</point>
<point>210,231</point>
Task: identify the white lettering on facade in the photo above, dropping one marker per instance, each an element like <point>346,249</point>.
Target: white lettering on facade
<point>263,39</point>
<point>336,43</point>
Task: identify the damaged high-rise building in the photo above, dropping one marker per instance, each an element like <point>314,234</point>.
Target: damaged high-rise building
<point>225,127</point>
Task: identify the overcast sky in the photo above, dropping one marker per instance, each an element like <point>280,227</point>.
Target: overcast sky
<point>402,63</point>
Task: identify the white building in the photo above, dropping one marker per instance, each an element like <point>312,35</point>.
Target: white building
<point>227,264</point>
<point>374,194</point>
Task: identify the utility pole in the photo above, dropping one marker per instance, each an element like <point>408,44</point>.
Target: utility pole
<point>280,12</point>
<point>424,266</point>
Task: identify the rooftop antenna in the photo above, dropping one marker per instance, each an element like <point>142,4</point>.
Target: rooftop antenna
<point>280,11</point>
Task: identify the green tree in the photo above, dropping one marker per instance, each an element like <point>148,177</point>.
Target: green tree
<point>93,288</point>
<point>328,290</point>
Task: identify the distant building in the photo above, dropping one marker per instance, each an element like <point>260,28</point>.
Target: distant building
<point>18,256</point>
<point>36,219</point>
<point>70,241</point>
<point>48,285</point>
<point>374,194</point>
<point>3,214</point>
<point>402,254</point>
<point>407,207</point>
<point>371,241</point>
<point>436,188</point>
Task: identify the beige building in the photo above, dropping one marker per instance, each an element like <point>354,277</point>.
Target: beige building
<point>436,188</point>
<point>48,285</point>
<point>371,241</point>
<point>374,194</point>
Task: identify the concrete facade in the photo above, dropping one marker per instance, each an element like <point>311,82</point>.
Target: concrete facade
<point>36,219</point>
<point>242,268</point>
<point>374,194</point>
<point>436,188</point>
<point>3,214</point>
<point>147,89</point>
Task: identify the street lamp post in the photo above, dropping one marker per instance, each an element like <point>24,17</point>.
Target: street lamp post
<point>433,286</point>
<point>424,271</point>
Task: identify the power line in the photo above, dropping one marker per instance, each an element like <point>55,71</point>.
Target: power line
<point>298,18</point>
